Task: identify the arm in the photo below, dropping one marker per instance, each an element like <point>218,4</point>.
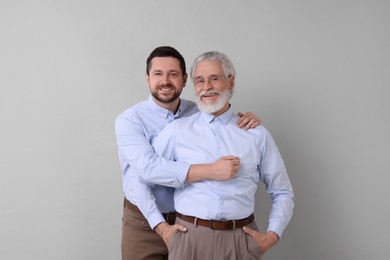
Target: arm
<point>141,194</point>
<point>133,140</point>
<point>137,152</point>
<point>223,169</point>
<point>273,173</point>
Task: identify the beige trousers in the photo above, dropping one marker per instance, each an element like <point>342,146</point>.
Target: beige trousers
<point>202,243</point>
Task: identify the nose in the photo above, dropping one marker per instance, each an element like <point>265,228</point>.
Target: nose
<point>165,79</point>
<point>207,86</point>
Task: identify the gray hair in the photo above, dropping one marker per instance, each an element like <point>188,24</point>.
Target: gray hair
<point>226,64</point>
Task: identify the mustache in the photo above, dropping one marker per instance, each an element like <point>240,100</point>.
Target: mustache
<point>208,92</point>
<point>166,86</point>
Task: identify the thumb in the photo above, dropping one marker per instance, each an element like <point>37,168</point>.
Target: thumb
<point>181,227</point>
<point>248,230</point>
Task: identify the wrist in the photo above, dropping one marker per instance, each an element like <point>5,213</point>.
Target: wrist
<point>210,171</point>
<point>274,237</point>
<point>199,172</point>
<point>161,227</point>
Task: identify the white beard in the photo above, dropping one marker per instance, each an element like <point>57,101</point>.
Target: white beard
<point>223,98</point>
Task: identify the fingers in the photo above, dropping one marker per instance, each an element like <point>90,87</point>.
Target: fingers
<point>230,157</point>
<point>249,231</point>
<point>180,227</point>
<point>245,122</point>
<point>242,120</point>
<point>235,161</point>
<point>249,120</point>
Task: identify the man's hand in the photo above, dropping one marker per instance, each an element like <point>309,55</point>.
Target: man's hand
<point>265,241</point>
<point>248,120</point>
<point>166,231</point>
<point>225,168</point>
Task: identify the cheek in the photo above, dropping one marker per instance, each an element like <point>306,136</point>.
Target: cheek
<point>178,83</point>
<point>151,81</point>
<point>197,91</point>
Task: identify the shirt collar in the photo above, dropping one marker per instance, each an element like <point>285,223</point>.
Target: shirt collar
<point>163,112</point>
<point>224,118</point>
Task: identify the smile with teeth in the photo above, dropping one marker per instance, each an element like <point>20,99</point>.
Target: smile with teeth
<point>166,88</point>
<point>209,94</point>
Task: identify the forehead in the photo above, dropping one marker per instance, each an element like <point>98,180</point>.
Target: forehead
<point>165,64</point>
<point>205,68</point>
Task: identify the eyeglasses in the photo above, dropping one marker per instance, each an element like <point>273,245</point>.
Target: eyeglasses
<point>212,80</point>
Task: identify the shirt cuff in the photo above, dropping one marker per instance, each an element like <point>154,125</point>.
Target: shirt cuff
<point>277,228</point>
<point>155,219</point>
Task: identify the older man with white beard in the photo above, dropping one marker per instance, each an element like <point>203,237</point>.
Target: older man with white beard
<point>219,214</point>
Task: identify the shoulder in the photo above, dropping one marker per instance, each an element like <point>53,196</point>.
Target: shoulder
<point>259,133</point>
<point>259,130</point>
<point>189,107</point>
<point>188,103</point>
<point>133,112</point>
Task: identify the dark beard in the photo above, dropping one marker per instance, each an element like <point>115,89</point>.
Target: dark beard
<point>162,99</point>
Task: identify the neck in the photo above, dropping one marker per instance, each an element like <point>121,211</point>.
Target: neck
<point>171,106</point>
<point>222,110</point>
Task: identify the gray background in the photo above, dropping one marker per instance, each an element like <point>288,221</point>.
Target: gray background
<point>316,72</point>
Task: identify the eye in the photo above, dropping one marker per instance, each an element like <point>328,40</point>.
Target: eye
<point>214,79</point>
<point>173,74</point>
<point>199,81</point>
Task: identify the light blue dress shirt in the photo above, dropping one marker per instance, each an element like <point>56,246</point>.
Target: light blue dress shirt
<point>135,130</point>
<point>203,138</point>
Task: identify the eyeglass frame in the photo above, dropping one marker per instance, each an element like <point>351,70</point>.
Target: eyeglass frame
<point>212,80</point>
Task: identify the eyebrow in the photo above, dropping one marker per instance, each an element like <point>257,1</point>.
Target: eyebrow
<point>211,75</point>
<point>169,71</point>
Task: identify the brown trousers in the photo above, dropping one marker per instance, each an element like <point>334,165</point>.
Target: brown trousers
<point>139,241</point>
<point>203,243</point>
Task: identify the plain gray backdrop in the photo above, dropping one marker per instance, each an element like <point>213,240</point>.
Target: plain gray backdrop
<point>316,72</point>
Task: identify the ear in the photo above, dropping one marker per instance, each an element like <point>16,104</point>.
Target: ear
<point>231,83</point>
<point>185,77</point>
<point>147,79</point>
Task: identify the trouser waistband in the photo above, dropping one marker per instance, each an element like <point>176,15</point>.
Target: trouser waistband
<point>217,224</point>
<point>169,217</point>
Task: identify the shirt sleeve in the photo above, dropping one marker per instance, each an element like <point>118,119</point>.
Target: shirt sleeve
<point>164,143</point>
<point>141,194</point>
<point>137,152</point>
<point>273,173</point>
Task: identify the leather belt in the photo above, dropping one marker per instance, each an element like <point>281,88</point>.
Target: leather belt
<point>217,224</point>
<point>169,217</point>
